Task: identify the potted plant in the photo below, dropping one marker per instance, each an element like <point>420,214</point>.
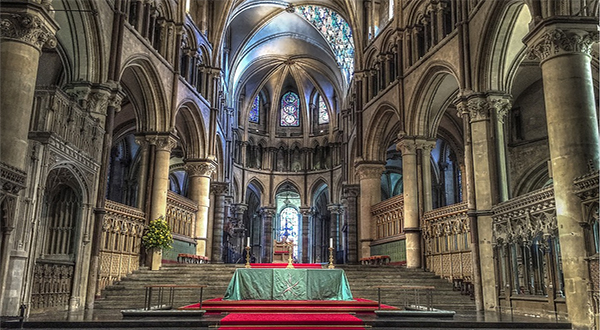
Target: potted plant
<point>157,237</point>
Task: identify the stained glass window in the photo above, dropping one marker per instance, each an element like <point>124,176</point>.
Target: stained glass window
<point>336,31</point>
<point>254,111</point>
<point>290,109</point>
<point>323,114</point>
<point>289,226</point>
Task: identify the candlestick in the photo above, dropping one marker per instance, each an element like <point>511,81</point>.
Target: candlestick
<point>248,257</point>
<point>331,242</point>
<point>331,266</point>
<point>248,240</point>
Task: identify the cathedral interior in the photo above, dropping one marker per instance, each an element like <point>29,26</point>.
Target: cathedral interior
<point>455,136</point>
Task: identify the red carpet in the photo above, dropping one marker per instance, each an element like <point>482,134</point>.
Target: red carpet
<point>283,265</point>
<point>358,305</point>
<point>290,321</point>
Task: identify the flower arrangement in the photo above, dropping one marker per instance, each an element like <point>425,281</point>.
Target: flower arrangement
<point>158,235</point>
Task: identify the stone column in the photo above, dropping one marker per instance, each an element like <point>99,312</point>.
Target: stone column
<point>199,173</point>
<point>163,144</point>
<point>267,243</point>
<point>501,105</point>
<point>412,229</point>
<point>306,247</point>
<point>485,189</point>
<point>335,210</point>
<point>143,172</point>
<point>350,195</point>
<point>564,50</point>
<point>239,209</point>
<point>369,174</point>
<point>25,28</point>
<point>426,147</point>
<point>219,189</point>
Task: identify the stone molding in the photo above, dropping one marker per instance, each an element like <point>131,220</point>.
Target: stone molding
<point>268,212</point>
<point>12,179</point>
<point>407,146</point>
<point>558,42</point>
<point>306,211</point>
<point>240,208</point>
<point>502,107</point>
<point>350,191</point>
<point>27,28</point>
<point>335,208</point>
<point>200,168</point>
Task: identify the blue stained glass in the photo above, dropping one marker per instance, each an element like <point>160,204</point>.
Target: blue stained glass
<point>289,226</point>
<point>254,111</point>
<point>323,114</point>
<point>336,31</point>
<point>290,114</point>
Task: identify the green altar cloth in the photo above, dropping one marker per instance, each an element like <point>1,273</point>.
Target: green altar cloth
<point>288,284</point>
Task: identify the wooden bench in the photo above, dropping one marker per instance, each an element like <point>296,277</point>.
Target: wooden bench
<point>375,260</point>
<point>192,259</point>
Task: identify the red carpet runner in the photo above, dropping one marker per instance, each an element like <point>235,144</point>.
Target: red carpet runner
<point>290,321</point>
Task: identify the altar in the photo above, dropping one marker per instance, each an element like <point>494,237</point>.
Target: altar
<point>288,284</point>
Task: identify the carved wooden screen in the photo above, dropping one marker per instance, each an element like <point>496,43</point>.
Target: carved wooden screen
<point>53,271</point>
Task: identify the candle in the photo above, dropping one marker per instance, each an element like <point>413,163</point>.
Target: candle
<point>331,242</point>
<point>248,245</point>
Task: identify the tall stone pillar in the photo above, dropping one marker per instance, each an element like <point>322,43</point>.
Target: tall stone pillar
<point>199,173</point>
<point>219,189</point>
<point>143,172</point>
<point>26,27</point>
<point>240,229</point>
<point>369,174</point>
<point>335,210</point>
<point>564,50</point>
<point>350,195</point>
<point>412,228</point>
<point>267,216</point>
<point>306,246</point>
<point>426,146</point>
<point>478,109</point>
<point>163,144</point>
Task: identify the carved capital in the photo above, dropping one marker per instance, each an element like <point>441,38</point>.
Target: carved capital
<point>557,42</point>
<point>335,208</point>
<point>219,188</point>
<point>502,107</point>
<point>478,108</point>
<point>240,208</point>
<point>268,212</point>
<point>27,28</point>
<point>162,142</point>
<point>306,211</point>
<point>200,168</point>
<point>369,170</point>
<point>351,190</point>
<point>407,146</point>
<point>426,145</point>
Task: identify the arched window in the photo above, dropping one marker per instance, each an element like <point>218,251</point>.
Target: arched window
<point>288,219</point>
<point>290,110</point>
<point>254,111</point>
<point>323,114</point>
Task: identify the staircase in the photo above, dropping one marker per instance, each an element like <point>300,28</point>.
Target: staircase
<point>129,292</point>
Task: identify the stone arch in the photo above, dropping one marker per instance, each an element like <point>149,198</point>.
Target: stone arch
<point>381,131</point>
<point>144,89</point>
<point>219,157</point>
<point>508,24</point>
<point>431,98</point>
<point>317,188</point>
<point>191,130</point>
<point>535,178</point>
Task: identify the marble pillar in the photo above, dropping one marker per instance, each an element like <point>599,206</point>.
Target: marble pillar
<point>564,51</point>
<point>218,189</point>
<point>199,173</point>
<point>369,174</point>
<point>412,228</point>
